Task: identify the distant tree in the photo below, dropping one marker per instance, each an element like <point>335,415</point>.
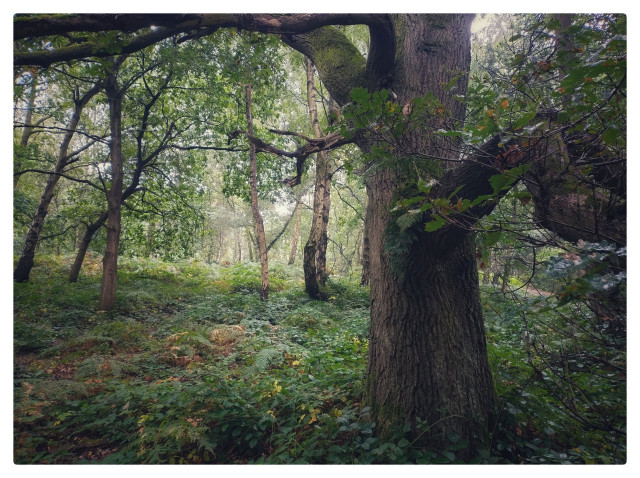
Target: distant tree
<point>315,250</point>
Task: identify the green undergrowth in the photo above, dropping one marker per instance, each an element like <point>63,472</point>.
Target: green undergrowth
<point>560,378</point>
<point>192,367</point>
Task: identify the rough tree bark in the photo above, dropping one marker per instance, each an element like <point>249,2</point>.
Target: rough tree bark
<point>25,263</point>
<point>257,217</point>
<point>365,260</point>
<point>114,195</point>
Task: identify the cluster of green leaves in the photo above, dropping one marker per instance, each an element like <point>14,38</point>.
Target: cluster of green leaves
<point>541,67</point>
<point>385,122</point>
<point>169,193</point>
<point>257,60</point>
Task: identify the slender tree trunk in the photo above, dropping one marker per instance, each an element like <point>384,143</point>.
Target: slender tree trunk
<point>315,250</point>
<point>364,261</point>
<point>252,245</point>
<point>25,263</point>
<point>496,275</point>
<point>296,234</point>
<point>220,251</point>
<point>257,217</point>
<point>28,129</point>
<point>151,229</point>
<point>506,273</point>
<point>114,196</point>
<point>487,268</point>
<point>83,246</point>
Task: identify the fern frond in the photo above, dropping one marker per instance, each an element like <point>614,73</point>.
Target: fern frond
<point>263,360</point>
<point>409,219</point>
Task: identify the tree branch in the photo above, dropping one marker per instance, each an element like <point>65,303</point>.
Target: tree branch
<point>46,58</point>
<point>313,145</point>
<point>30,26</point>
<point>286,224</point>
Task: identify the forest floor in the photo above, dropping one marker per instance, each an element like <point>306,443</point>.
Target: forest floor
<point>191,367</point>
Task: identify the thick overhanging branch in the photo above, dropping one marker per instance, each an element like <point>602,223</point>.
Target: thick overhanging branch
<point>30,26</point>
<point>46,58</point>
<point>565,204</point>
<point>33,26</point>
<point>339,63</point>
<point>167,25</point>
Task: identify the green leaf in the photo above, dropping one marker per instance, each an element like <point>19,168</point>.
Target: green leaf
<point>360,95</point>
<point>442,132</point>
<point>492,238</point>
<point>480,199</point>
<point>434,225</point>
<point>610,135</point>
<point>455,191</point>
<point>524,120</point>
<point>500,181</point>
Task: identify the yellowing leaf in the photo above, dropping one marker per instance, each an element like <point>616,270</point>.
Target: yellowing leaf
<point>504,104</point>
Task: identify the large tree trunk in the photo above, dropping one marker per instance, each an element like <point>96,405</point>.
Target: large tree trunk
<point>315,250</point>
<point>25,263</point>
<point>427,353</point>
<point>257,217</point>
<point>114,196</point>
